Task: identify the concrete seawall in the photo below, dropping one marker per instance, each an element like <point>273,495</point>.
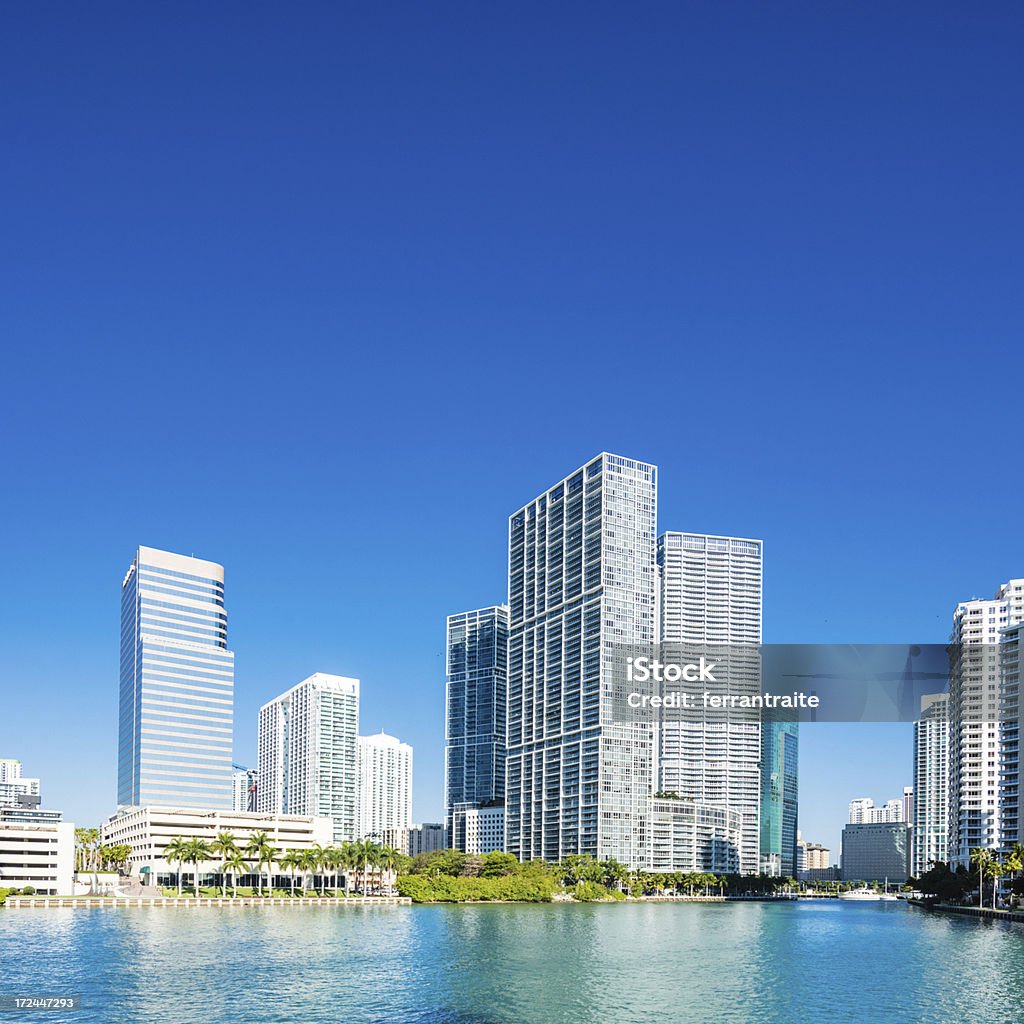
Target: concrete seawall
<point>36,902</point>
<point>1016,916</point>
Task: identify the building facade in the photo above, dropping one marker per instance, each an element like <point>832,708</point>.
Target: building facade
<point>931,784</point>
<point>478,828</point>
<point>1011,822</point>
<point>686,836</point>
<point>17,790</point>
<point>176,684</point>
<point>148,830</point>
<point>876,853</point>
<point>476,695</point>
<point>417,839</point>
<point>385,785</point>
<point>862,811</point>
<point>710,596</point>
<point>37,854</point>
<point>307,750</point>
<point>244,787</point>
<point>975,735</point>
<point>581,587</point>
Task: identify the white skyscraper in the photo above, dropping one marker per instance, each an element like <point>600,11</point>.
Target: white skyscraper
<point>710,595</point>
<point>16,790</point>
<point>974,719</point>
<point>1010,709</point>
<point>176,704</point>
<point>931,784</point>
<point>385,785</point>
<point>581,589</point>
<point>307,752</point>
<point>862,811</point>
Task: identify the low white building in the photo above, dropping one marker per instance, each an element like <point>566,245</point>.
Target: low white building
<point>38,854</point>
<point>478,829</point>
<point>148,830</point>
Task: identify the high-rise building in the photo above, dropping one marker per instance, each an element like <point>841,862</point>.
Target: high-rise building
<point>385,785</point>
<point>931,784</point>
<point>243,787</point>
<point>17,790</point>
<point>876,852</point>
<point>862,811</point>
<point>177,684</point>
<point>710,596</point>
<point>476,695</point>
<point>581,589</point>
<point>308,754</point>
<point>974,725</point>
<point>1010,709</point>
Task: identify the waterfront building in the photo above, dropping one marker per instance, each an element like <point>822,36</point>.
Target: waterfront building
<point>17,790</point>
<point>148,830</point>
<point>876,852</point>
<point>385,785</point>
<point>176,684</point>
<point>476,694</point>
<point>688,836</point>
<point>862,811</point>
<point>417,839</point>
<point>29,816</point>
<point>579,778</point>
<point>710,599</point>
<point>243,787</point>
<point>974,719</point>
<point>478,828</point>
<point>307,753</point>
<point>931,784</point>
<point>1010,708</point>
<point>40,854</point>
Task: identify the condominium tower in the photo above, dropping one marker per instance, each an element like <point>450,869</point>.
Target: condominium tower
<point>974,725</point>
<point>307,752</point>
<point>931,784</point>
<point>385,785</point>
<point>710,593</point>
<point>475,698</point>
<point>177,684</point>
<point>581,587</point>
<point>1010,708</point>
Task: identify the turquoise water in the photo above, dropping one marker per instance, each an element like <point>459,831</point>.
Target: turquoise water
<point>757,962</point>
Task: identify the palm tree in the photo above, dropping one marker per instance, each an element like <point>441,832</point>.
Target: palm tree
<point>981,859</point>
<point>237,865</point>
<point>260,849</point>
<point>291,861</point>
<point>224,845</point>
<point>176,851</point>
<point>388,862</point>
<point>196,850</point>
<point>317,862</point>
<point>348,860</point>
<point>332,861</point>
<point>996,870</point>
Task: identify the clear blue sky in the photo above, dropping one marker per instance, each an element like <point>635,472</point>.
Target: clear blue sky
<point>323,292</point>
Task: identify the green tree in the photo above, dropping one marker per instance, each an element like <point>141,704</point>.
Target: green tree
<point>196,850</point>
<point>223,845</point>
<point>235,863</point>
<point>263,853</point>
<point>981,858</point>
<point>291,861</point>
<point>175,852</point>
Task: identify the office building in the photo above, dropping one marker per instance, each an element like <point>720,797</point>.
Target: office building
<point>931,784</point>
<point>243,787</point>
<point>974,726</point>
<point>862,810</point>
<point>475,703</point>
<point>579,779</point>
<point>416,839</point>
<point>307,753</point>
<point>812,859</point>
<point>148,830</point>
<point>478,828</point>
<point>37,854</point>
<point>710,599</point>
<point>385,785</point>
<point>177,684</point>
<point>17,790</point>
<point>876,852</point>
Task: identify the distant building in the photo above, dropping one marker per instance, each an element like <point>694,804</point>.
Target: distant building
<point>16,790</point>
<point>478,829</point>
<point>148,830</point>
<point>931,784</point>
<point>38,854</point>
<point>307,750</point>
<point>29,816</point>
<point>876,852</point>
<point>690,836</point>
<point>385,784</point>
<point>863,811</point>
<point>244,787</point>
<point>417,839</point>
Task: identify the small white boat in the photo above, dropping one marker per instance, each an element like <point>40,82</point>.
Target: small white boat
<point>861,895</point>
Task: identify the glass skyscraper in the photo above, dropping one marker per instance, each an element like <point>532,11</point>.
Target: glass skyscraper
<point>476,692</point>
<point>177,685</point>
<point>581,589</point>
